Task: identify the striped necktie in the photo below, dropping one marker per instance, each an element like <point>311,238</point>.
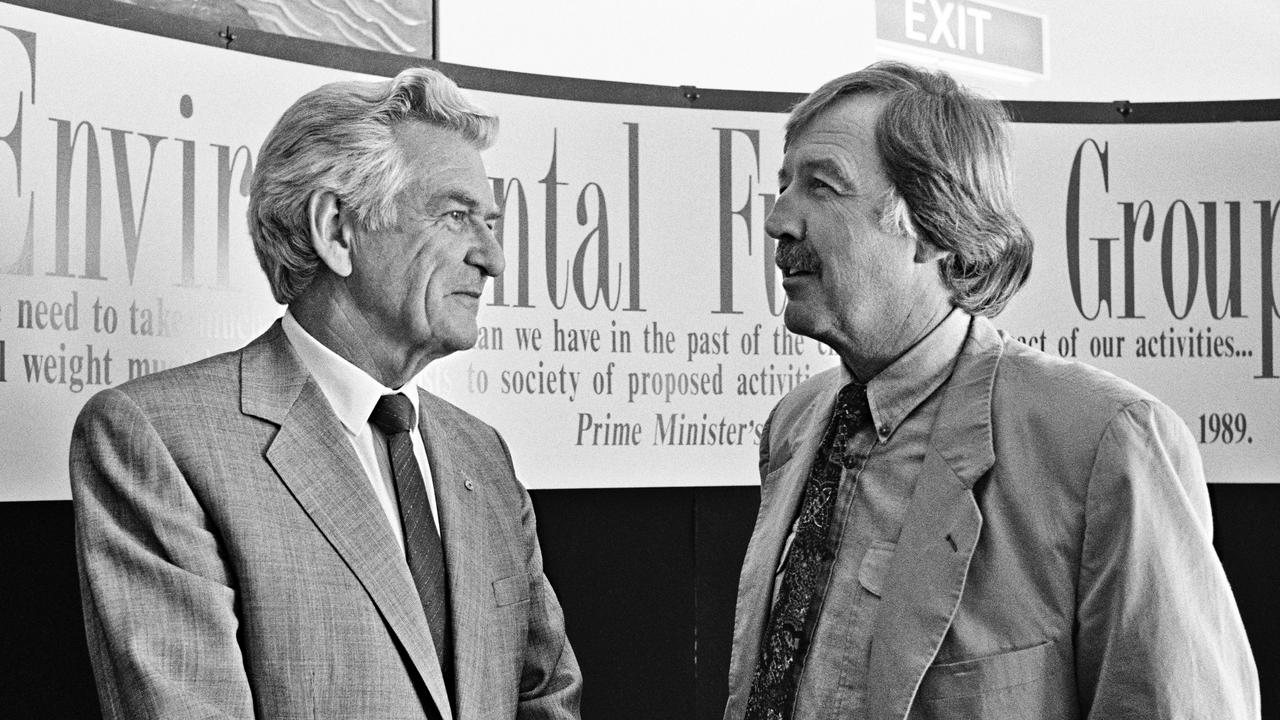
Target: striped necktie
<point>394,415</point>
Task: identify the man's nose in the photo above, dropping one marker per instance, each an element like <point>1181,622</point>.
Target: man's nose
<point>487,253</point>
<point>783,223</point>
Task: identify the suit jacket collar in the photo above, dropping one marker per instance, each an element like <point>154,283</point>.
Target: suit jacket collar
<point>351,392</point>
<point>314,459</point>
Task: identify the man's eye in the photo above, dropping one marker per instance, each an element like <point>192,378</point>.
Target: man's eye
<point>457,220</point>
<point>818,184</point>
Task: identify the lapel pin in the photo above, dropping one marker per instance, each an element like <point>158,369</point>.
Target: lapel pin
<point>469,485</point>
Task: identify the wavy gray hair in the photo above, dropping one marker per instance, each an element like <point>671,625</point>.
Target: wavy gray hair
<point>340,138</point>
<point>945,152</point>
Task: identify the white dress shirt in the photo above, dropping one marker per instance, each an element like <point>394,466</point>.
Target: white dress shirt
<point>352,393</point>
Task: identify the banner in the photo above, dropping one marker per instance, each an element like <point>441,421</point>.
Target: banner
<point>636,336</point>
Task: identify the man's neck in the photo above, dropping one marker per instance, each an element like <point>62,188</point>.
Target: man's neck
<point>341,328</point>
<point>865,360</point>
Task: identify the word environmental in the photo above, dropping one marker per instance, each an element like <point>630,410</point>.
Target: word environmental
<point>142,164</point>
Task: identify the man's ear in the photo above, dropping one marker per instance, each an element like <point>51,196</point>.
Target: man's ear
<point>927,252</point>
<point>330,234</point>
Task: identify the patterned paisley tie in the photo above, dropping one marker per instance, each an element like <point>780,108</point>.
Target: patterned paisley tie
<point>786,637</point>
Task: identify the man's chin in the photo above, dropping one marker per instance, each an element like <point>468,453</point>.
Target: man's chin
<point>797,320</point>
<point>455,340</point>
<point>463,341</point>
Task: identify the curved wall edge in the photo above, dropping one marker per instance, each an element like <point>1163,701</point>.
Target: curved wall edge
<point>310,52</point>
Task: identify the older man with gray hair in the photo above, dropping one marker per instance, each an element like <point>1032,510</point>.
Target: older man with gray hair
<point>952,524</point>
<point>294,529</point>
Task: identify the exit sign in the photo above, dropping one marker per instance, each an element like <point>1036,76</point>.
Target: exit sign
<point>989,33</point>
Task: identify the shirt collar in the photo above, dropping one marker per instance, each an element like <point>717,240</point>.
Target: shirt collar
<point>912,378</point>
<point>351,392</point>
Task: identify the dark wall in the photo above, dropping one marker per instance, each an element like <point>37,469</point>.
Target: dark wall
<point>647,578</point>
<point>44,663</point>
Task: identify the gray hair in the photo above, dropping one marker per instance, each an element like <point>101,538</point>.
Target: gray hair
<point>340,138</point>
<point>945,152</point>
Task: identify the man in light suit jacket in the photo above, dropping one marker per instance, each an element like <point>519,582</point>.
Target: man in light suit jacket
<point>952,524</point>
<point>254,535</point>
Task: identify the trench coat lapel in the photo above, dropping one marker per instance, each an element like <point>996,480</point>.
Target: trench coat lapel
<point>315,460</point>
<point>939,533</point>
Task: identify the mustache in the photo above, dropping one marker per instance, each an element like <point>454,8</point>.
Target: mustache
<point>795,256</point>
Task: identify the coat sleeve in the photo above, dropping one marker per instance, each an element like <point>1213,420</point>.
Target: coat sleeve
<point>764,446</point>
<point>158,606</point>
<point>1159,633</point>
<point>550,680</point>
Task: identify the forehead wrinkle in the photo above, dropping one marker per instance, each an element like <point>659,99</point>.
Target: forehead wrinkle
<point>856,167</point>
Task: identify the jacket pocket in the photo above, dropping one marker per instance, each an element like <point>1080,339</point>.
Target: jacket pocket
<point>986,675</point>
<point>875,566</point>
<point>511,590</point>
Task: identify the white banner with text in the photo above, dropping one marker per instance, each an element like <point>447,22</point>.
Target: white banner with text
<point>636,336</point>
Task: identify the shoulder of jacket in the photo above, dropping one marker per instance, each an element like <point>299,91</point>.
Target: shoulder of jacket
<point>1032,376</point>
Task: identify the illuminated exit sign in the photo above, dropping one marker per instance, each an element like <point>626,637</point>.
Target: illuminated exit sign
<point>986,32</point>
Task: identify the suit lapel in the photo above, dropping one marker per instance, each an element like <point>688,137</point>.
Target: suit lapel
<point>923,588</point>
<point>314,459</point>
<point>780,495</point>
<point>939,533</point>
<point>464,516</point>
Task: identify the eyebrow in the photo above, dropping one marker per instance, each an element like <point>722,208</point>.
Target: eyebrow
<point>826,165</point>
<point>472,204</point>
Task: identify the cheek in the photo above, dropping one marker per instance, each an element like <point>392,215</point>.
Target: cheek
<point>845,260</point>
<point>429,275</point>
<point>434,285</point>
